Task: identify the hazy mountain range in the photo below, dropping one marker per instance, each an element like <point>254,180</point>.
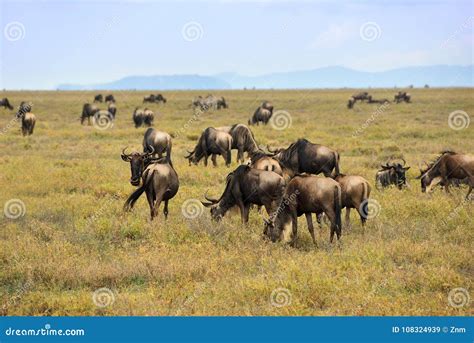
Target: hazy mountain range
<point>328,77</point>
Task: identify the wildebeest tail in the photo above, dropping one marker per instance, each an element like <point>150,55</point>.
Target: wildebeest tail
<point>337,209</point>
<point>137,193</point>
<point>228,159</point>
<point>336,164</point>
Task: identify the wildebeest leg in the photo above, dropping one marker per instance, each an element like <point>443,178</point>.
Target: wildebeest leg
<point>446,186</point>
<point>348,217</point>
<point>240,155</point>
<point>319,217</point>
<point>294,226</point>
<point>310,227</point>
<point>165,210</point>
<point>246,214</point>
<point>156,206</point>
<point>206,156</point>
<point>213,158</point>
<point>151,202</point>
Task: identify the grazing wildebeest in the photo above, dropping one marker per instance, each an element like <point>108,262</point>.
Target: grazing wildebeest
<point>402,96</point>
<point>391,174</point>
<point>361,96</point>
<point>151,98</point>
<point>159,180</point>
<point>212,142</point>
<point>112,108</point>
<point>242,139</point>
<point>306,157</point>
<point>110,98</point>
<point>306,194</point>
<point>138,116</point>
<point>449,165</point>
<point>160,98</point>
<point>157,142</point>
<point>355,193</point>
<point>262,161</point>
<point>260,115</point>
<point>6,104</point>
<point>88,111</point>
<point>28,121</point>
<point>221,103</point>
<point>245,187</point>
<point>148,117</point>
<point>209,102</point>
<point>99,98</point>
<point>370,100</point>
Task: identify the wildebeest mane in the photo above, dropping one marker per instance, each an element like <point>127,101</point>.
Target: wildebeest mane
<point>239,130</point>
<point>286,154</point>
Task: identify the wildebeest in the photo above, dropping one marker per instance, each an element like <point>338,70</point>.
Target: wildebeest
<point>449,165</point>
<point>138,116</point>
<point>391,174</point>
<point>306,157</point>
<point>361,96</point>
<point>151,98</point>
<point>209,102</point>
<point>370,100</point>
<point>212,142</point>
<point>28,121</point>
<point>245,187</point>
<point>112,108</point>
<point>5,103</point>
<point>350,102</point>
<point>221,103</point>
<point>355,194</point>
<point>306,194</point>
<point>262,161</point>
<point>99,98</point>
<point>148,117</point>
<point>242,139</point>
<point>24,108</point>
<point>260,115</point>
<point>402,96</point>
<point>109,98</point>
<point>157,142</point>
<point>88,111</point>
<point>159,180</point>
<point>267,105</point>
<point>160,98</point>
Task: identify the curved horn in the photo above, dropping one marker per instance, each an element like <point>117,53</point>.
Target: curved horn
<point>404,162</point>
<point>270,150</point>
<point>210,199</point>
<point>147,154</point>
<point>123,151</point>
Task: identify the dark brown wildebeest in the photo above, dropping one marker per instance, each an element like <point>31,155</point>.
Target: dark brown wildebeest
<point>88,111</point>
<point>306,157</point>
<point>391,174</point>
<point>5,103</point>
<point>370,100</point>
<point>109,98</point>
<point>28,121</point>
<point>449,165</point>
<point>355,194</point>
<point>212,142</point>
<point>260,115</point>
<point>159,181</point>
<point>112,108</point>
<point>138,116</point>
<point>402,96</point>
<point>245,187</point>
<point>151,98</point>
<point>99,98</point>
<point>306,194</point>
<point>148,117</point>
<point>157,142</point>
<point>351,102</point>
<point>242,139</point>
<point>221,103</point>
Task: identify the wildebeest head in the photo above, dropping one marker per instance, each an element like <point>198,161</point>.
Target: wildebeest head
<point>425,177</point>
<point>220,206</point>
<point>138,162</point>
<point>399,171</point>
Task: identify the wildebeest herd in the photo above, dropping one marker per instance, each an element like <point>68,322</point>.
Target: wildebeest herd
<point>282,180</point>
<point>365,96</point>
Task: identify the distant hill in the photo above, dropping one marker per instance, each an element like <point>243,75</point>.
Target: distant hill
<point>328,77</point>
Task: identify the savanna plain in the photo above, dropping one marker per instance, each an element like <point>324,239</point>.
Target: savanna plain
<point>74,238</point>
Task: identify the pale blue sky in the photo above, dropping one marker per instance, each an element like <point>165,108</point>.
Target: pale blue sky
<point>97,41</point>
